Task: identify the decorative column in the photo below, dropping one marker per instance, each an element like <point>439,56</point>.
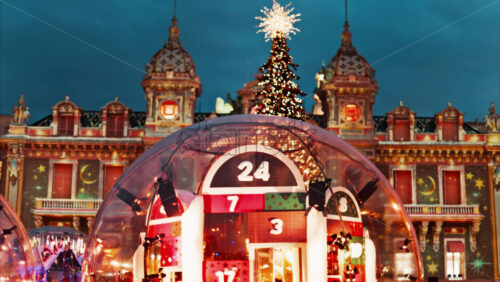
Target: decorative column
<point>316,246</point>
<point>435,239</point>
<point>38,221</point>
<point>473,235</point>
<point>90,223</point>
<point>412,126</point>
<point>76,222</point>
<point>424,227</point>
<point>15,164</point>
<point>461,132</point>
<point>125,122</point>
<point>104,122</point>
<point>76,124</point>
<point>439,126</point>
<point>192,241</point>
<point>390,126</point>
<point>150,102</point>
<point>54,123</point>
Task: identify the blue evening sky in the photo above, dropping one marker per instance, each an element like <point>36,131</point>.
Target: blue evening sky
<point>426,53</point>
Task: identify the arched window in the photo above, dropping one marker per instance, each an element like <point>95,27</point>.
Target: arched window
<point>401,129</point>
<point>400,122</point>
<point>351,112</point>
<point>451,123</point>
<point>116,118</point>
<point>169,109</point>
<point>450,130</point>
<point>66,113</point>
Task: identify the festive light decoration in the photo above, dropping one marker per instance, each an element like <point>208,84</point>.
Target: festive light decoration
<point>279,90</point>
<point>278,21</point>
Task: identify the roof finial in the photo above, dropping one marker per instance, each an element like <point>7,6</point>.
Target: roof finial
<point>174,29</point>
<point>175,8</point>
<point>346,35</point>
<point>346,20</point>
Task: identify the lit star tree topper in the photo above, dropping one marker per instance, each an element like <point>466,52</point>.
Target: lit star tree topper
<point>280,93</point>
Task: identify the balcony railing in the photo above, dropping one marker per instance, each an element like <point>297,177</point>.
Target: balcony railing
<point>66,206</point>
<point>444,212</point>
<point>442,209</point>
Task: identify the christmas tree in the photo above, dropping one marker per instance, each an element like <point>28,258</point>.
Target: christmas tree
<point>280,93</point>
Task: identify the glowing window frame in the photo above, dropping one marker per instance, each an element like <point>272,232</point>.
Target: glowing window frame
<point>168,102</point>
<point>357,110</point>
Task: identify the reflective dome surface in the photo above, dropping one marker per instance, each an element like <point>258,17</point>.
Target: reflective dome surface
<point>248,206</point>
<point>18,260</point>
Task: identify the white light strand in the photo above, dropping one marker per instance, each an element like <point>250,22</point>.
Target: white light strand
<point>278,21</point>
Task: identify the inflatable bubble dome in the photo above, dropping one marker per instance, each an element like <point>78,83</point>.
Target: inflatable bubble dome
<point>252,198</point>
<point>18,260</point>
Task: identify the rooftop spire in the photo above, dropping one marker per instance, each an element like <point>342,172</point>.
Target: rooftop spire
<point>175,8</point>
<point>174,29</point>
<point>346,34</point>
<point>346,20</point>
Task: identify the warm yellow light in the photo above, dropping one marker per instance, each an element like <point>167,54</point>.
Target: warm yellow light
<point>427,138</point>
<point>278,21</point>
<point>169,109</point>
<point>395,206</point>
<point>494,138</point>
<point>474,138</point>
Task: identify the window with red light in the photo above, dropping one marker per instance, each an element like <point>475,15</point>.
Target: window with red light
<point>111,174</point>
<point>403,185</point>
<point>351,112</point>
<point>450,131</point>
<point>114,125</point>
<point>451,187</point>
<point>169,109</point>
<point>62,181</point>
<point>401,130</point>
<point>65,124</point>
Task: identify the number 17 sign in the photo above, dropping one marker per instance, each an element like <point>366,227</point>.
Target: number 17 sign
<point>252,169</point>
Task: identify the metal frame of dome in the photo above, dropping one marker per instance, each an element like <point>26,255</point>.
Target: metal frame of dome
<point>206,141</point>
<point>19,261</point>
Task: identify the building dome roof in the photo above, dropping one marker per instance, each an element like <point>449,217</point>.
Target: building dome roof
<point>172,57</point>
<point>347,61</point>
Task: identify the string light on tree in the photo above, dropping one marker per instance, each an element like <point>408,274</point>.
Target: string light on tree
<point>280,93</point>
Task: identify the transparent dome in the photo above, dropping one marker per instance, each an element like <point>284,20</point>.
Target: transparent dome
<point>18,260</point>
<point>244,198</point>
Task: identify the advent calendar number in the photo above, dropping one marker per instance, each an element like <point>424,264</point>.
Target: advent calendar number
<point>277,226</point>
<point>246,166</point>
<point>234,200</point>
<point>262,172</point>
<point>229,273</point>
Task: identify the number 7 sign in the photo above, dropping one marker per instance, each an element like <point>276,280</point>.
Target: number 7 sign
<point>233,203</point>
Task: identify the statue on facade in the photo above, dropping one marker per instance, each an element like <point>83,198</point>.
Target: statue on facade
<point>492,120</point>
<point>20,113</point>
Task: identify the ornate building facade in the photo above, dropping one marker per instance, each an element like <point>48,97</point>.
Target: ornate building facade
<point>57,171</point>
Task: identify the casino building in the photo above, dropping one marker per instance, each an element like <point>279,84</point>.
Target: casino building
<point>58,170</point>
